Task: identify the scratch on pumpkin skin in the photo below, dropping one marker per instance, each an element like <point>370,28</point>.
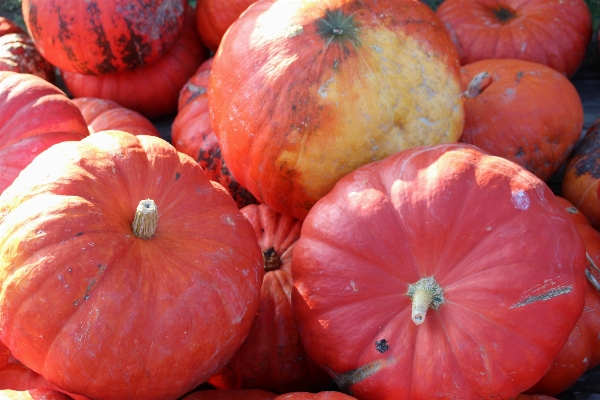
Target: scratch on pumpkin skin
<point>345,381</point>
<point>544,296</point>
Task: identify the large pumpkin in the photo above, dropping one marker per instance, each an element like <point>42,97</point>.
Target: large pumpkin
<point>429,275</point>
<point>125,272</point>
<point>103,36</point>
<point>303,92</point>
<point>152,90</point>
<point>523,111</point>
<point>555,33</point>
<point>272,357</point>
<point>582,350</point>
<point>102,115</point>
<point>192,134</point>
<point>34,115</point>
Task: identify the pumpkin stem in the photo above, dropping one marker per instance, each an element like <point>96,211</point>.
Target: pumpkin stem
<point>478,84</point>
<point>272,260</point>
<point>425,293</point>
<point>146,219</point>
<point>504,14</point>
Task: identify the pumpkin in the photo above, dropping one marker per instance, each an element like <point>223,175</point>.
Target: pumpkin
<point>314,396</point>
<point>18,54</point>
<point>225,394</point>
<point>524,396</point>
<point>443,255</point>
<point>101,115</point>
<point>8,26</point>
<point>582,350</point>
<point>152,90</point>
<point>103,36</point>
<point>272,357</point>
<point>124,271</point>
<point>34,115</point>
<point>580,179</point>
<point>33,394</point>
<point>215,16</point>
<point>523,111</point>
<point>192,134</point>
<point>555,33</point>
<point>301,93</point>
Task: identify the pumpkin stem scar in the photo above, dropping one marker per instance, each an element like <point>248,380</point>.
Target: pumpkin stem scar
<point>345,381</point>
<point>145,220</point>
<point>424,294</point>
<point>544,296</point>
<point>477,85</point>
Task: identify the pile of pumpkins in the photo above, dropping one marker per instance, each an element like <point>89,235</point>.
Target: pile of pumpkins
<point>352,203</point>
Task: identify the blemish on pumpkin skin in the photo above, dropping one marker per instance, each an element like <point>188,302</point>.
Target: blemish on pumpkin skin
<point>177,176</point>
<point>543,296</point>
<point>345,381</point>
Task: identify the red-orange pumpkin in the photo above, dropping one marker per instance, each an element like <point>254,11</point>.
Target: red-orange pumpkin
<point>33,394</point>
<point>151,90</point>
<point>8,26</point>
<point>551,32</point>
<point>192,134</point>
<point>272,357</point>
<point>18,54</point>
<point>582,350</point>
<point>582,173</point>
<point>103,115</point>
<point>523,111</point>
<point>301,93</point>
<point>34,115</point>
<point>225,394</point>
<point>314,396</point>
<point>103,36</point>
<point>125,272</point>
<point>215,16</point>
<point>428,275</point>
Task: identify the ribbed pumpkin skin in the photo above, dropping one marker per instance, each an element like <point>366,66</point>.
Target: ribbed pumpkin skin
<point>215,16</point>
<point>582,174</point>
<point>34,115</point>
<point>192,134</point>
<point>482,227</point>
<point>303,92</point>
<point>103,115</point>
<point>525,112</point>
<point>18,54</point>
<point>97,310</point>
<point>582,350</point>
<point>151,90</point>
<point>103,36</point>
<point>555,33</point>
<point>272,357</point>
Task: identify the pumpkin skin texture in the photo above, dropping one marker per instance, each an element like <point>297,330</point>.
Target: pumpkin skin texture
<point>225,394</point>
<point>582,172</point>
<point>34,115</point>
<point>152,90</point>
<point>215,16</point>
<point>18,54</point>
<point>272,357</point>
<point>321,88</point>
<point>167,308</point>
<point>314,396</point>
<point>474,227</point>
<point>103,36</point>
<point>523,111</point>
<point>192,134</point>
<point>555,33</point>
<point>582,350</point>
<point>102,115</point>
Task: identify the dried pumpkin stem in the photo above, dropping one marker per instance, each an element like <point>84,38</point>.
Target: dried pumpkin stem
<point>425,293</point>
<point>477,84</point>
<point>145,220</point>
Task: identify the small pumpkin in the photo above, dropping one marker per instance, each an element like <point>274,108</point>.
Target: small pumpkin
<point>442,254</point>
<point>192,134</point>
<point>34,115</point>
<point>215,16</point>
<point>523,111</point>
<point>582,172</point>
<point>103,36</point>
<point>102,115</point>
<point>128,273</point>
<point>8,26</point>
<point>19,54</point>
<point>272,357</point>
<point>153,89</point>
<point>301,93</point>
<point>555,33</point>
